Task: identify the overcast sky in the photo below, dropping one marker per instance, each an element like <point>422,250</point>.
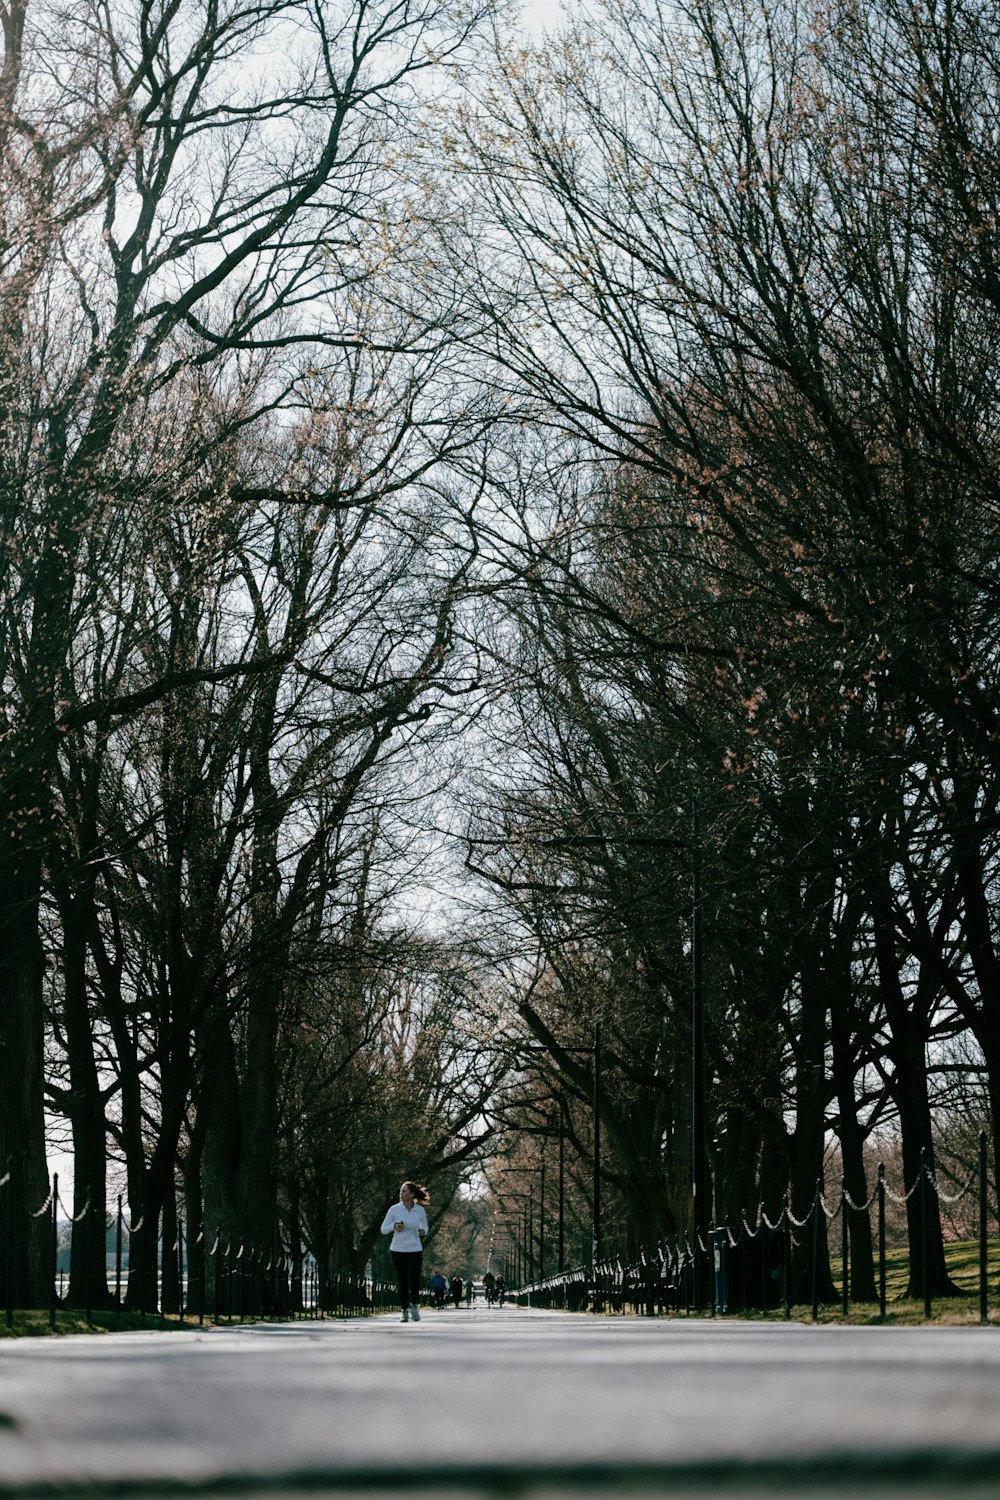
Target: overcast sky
<point>542,13</point>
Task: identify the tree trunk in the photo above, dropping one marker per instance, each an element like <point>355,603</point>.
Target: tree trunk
<point>256,1183</point>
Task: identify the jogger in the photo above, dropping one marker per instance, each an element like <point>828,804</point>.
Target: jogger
<point>406,1221</point>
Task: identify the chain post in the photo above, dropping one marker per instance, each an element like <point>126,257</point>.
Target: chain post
<point>983,1227</point>
<point>787,1221</point>
<point>141,1237</point>
<point>166,1252</point>
<point>844,1249</point>
<point>8,1258</point>
<point>881,1242</point>
<point>925,1277</point>
<point>55,1247</point>
<point>88,1254</point>
<point>118,1264</point>
<point>765,1259</point>
<point>180,1268</point>
<point>815,1250</point>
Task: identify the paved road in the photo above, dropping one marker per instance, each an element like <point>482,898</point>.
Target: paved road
<point>474,1404</point>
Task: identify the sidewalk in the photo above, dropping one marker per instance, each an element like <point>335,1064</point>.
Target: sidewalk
<point>489,1402</point>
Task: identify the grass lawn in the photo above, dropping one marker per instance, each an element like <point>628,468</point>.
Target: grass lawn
<point>35,1324</point>
<point>962,1260</point>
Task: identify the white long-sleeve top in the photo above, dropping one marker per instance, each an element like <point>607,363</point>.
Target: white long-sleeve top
<point>414,1219</point>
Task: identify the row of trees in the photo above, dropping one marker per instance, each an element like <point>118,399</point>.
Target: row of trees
<point>235,539</point>
<point>607,431</point>
<point>743,259</point>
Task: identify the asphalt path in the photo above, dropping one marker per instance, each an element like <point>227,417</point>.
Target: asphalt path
<point>489,1402</point>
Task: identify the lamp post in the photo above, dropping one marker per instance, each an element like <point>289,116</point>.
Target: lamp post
<point>562,1184</point>
<point>541,1218</point>
<point>596,1251</point>
<point>595,1053</point>
<point>699,1173</point>
<point>521,1238</point>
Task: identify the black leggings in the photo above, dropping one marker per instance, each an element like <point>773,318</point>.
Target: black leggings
<point>407,1264</point>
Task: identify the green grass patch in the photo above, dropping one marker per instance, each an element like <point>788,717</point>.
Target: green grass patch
<point>36,1324</point>
<point>961,1258</point>
<point>962,1261</point>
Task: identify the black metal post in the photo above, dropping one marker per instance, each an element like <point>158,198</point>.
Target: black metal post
<point>180,1267</point>
<point>815,1248</point>
<point>55,1247</point>
<point>562,1184</point>
<point>88,1255</point>
<point>925,1278</point>
<point>881,1242</point>
<point>541,1219</point>
<point>166,1252</point>
<point>118,1264</point>
<point>529,1249</point>
<point>8,1259</point>
<point>765,1255</point>
<point>699,1180</point>
<point>787,1221</point>
<point>983,1226</point>
<point>844,1248</point>
<point>139,1235</point>
<point>596,1245</point>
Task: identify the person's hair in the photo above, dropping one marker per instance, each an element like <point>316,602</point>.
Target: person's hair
<point>418,1190</point>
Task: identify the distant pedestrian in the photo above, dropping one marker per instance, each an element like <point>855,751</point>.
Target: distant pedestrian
<point>440,1289</point>
<point>470,1292</point>
<point>406,1221</point>
<point>457,1286</point>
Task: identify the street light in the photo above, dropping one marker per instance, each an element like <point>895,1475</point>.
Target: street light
<point>556,1127</point>
<point>522,1237</point>
<point>699,1165</point>
<point>595,1052</point>
<point>506,1193</point>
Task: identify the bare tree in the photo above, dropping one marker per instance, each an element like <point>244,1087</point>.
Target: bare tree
<point>183,191</point>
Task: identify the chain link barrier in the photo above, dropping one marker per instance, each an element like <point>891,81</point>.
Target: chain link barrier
<point>247,1282</point>
<point>944,1197</point>
<point>38,1212</point>
<point>669,1278</point>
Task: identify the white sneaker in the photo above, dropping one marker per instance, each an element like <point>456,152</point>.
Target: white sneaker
<point>415,1314</point>
<point>406,1316</point>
